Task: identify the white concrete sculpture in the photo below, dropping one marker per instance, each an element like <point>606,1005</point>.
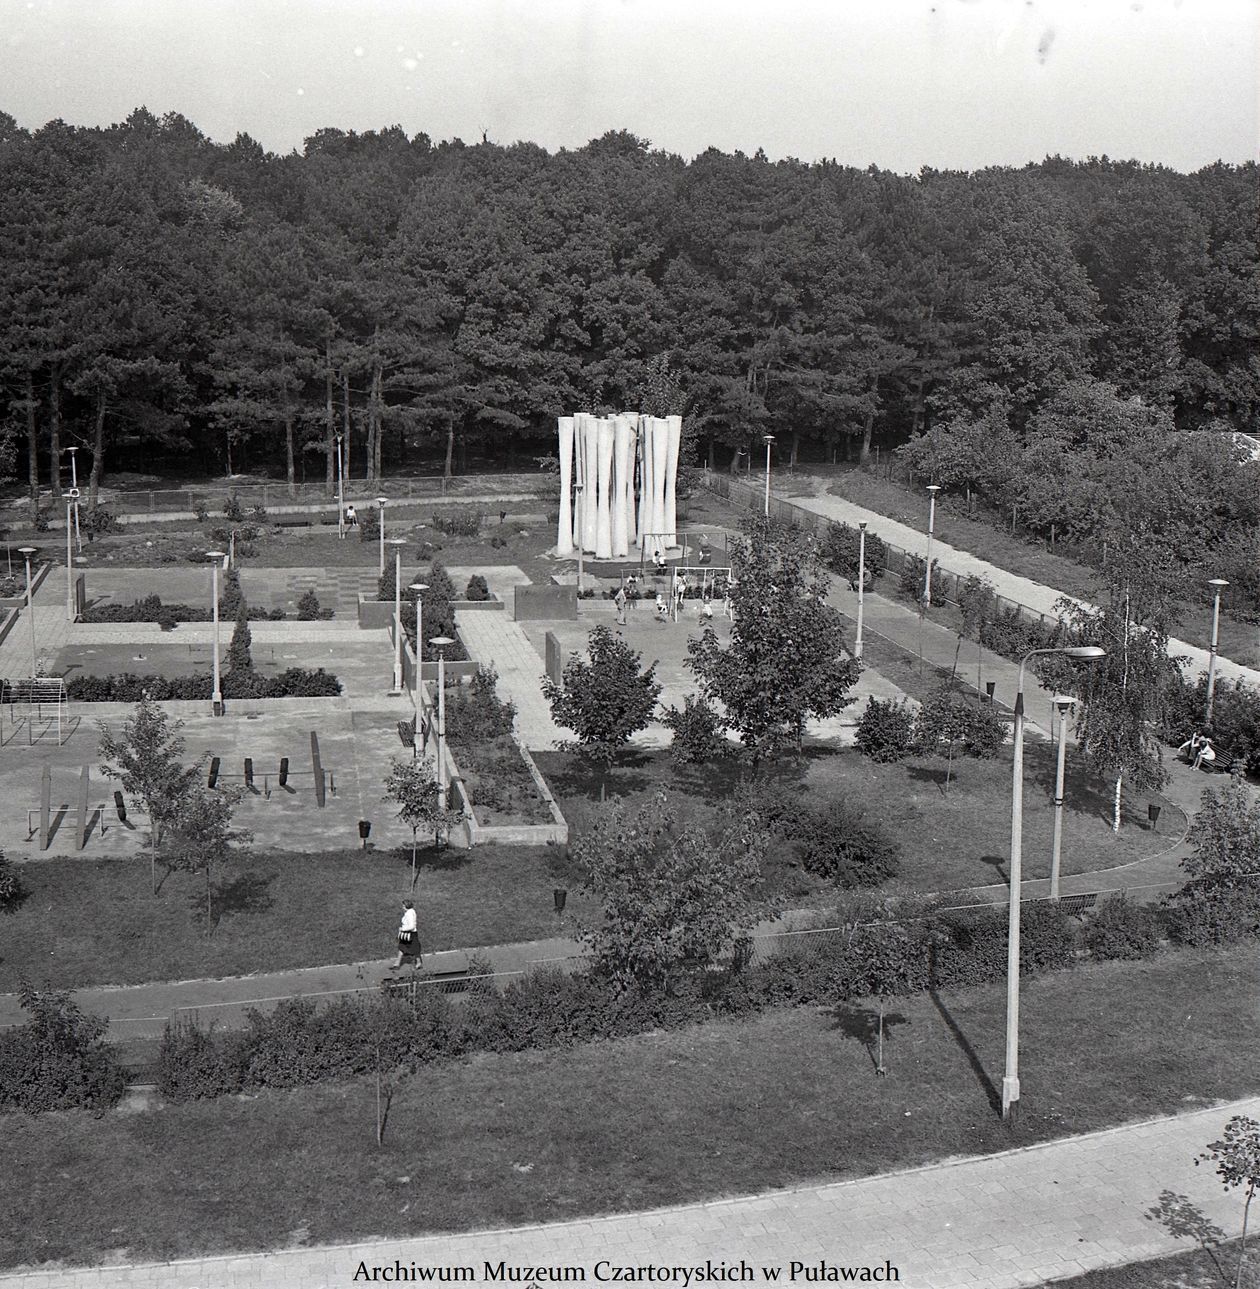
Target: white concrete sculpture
<point>602,462</point>
<point>620,470</point>
<point>674,438</point>
<point>564,527</point>
<point>603,489</point>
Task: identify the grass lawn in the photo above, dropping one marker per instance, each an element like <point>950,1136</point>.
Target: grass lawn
<point>1201,1268</point>
<point>96,923</point>
<point>1028,558</point>
<point>949,840</point>
<point>732,1107</point>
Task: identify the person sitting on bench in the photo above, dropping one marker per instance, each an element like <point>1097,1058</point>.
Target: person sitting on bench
<point>1206,756</point>
<point>1190,747</point>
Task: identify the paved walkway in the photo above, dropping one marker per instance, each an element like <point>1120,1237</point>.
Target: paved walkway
<point>1041,599</point>
<point>993,1222</point>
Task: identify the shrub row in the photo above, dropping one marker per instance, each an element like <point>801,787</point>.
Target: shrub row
<point>296,682</point>
<point>947,722</point>
<point>298,1043</point>
<point>151,609</point>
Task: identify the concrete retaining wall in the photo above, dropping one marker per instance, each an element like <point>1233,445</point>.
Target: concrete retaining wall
<point>540,603</point>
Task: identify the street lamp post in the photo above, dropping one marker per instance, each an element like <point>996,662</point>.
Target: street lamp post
<point>419,588</point>
<point>769,439</point>
<point>380,501</point>
<point>1010,1080</point>
<point>440,643</point>
<point>933,489</point>
<point>857,645</point>
<point>341,494</point>
<point>70,503</point>
<point>216,563</point>
<point>1063,704</point>
<point>398,543</point>
<point>74,492</point>
<point>26,552</point>
<point>1217,584</point>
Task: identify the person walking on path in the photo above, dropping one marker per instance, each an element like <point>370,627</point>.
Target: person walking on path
<point>620,601</point>
<point>408,938</point>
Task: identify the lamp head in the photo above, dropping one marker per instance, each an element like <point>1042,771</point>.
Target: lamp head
<point>934,488</point>
<point>1064,703</point>
<point>396,541</point>
<point>215,555</point>
<point>1085,653</point>
<point>1218,582</point>
<point>440,642</point>
<point>380,501</point>
<point>28,551</point>
<point>767,439</point>
<point>862,525</point>
<point>419,587</point>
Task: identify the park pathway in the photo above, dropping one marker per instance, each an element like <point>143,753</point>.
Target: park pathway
<point>1038,598</point>
<point>994,1222</point>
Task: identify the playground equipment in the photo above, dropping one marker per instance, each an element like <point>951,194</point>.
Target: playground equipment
<point>38,704</point>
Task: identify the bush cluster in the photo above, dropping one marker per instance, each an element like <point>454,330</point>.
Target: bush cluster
<point>127,687</point>
<point>950,722</point>
<point>885,730</point>
<point>1235,726</point>
<point>841,551</point>
<point>910,583</point>
<point>477,589</point>
<point>1012,635</point>
<point>475,713</point>
<point>100,522</point>
<point>699,736</point>
<point>12,888</point>
<point>309,608</point>
<point>459,523</point>
<point>58,1059</point>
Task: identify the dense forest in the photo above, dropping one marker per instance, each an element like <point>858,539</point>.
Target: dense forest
<point>219,307</point>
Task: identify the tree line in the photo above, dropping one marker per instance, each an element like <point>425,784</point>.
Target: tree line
<point>172,296</point>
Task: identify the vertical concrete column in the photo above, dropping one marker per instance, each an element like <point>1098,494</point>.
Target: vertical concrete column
<point>564,526</point>
<point>590,459</point>
<point>620,497</point>
<point>603,492</point>
<point>674,438</point>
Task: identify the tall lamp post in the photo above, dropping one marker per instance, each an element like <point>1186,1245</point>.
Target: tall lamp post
<point>74,492</point>
<point>380,501</point>
<point>857,645</point>
<point>398,543</point>
<point>71,502</point>
<point>440,643</point>
<point>1063,704</point>
<point>933,489</point>
<point>341,494</point>
<point>419,588</point>
<point>26,552</point>
<point>216,563</point>
<point>1218,584</point>
<point>1010,1080</point>
<point>769,439</point>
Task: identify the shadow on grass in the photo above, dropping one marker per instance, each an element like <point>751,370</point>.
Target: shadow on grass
<point>862,1023</point>
<point>431,859</point>
<point>996,862</point>
<point>244,894</point>
<point>935,775</point>
<point>963,1043</point>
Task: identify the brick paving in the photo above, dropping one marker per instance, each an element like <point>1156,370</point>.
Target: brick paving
<point>993,1222</point>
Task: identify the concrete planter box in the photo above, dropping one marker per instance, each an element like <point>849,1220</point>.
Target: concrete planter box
<point>554,833</point>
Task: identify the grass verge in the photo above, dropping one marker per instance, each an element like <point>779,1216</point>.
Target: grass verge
<point>949,840</point>
<point>96,923</point>
<point>1211,1267</point>
<point>782,1099</point>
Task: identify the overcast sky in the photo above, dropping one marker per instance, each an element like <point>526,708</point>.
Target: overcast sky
<point>897,83</point>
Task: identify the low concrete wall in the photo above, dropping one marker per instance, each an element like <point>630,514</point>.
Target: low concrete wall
<point>540,603</point>
<point>9,622</point>
<point>374,614</point>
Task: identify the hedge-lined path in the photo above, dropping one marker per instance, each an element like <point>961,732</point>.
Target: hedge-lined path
<point>990,1222</point>
<point>1039,598</point>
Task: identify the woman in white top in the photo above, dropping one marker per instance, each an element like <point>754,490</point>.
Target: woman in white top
<point>408,937</point>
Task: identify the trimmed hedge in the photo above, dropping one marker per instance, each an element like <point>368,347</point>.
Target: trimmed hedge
<point>127,687</point>
<point>152,609</point>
